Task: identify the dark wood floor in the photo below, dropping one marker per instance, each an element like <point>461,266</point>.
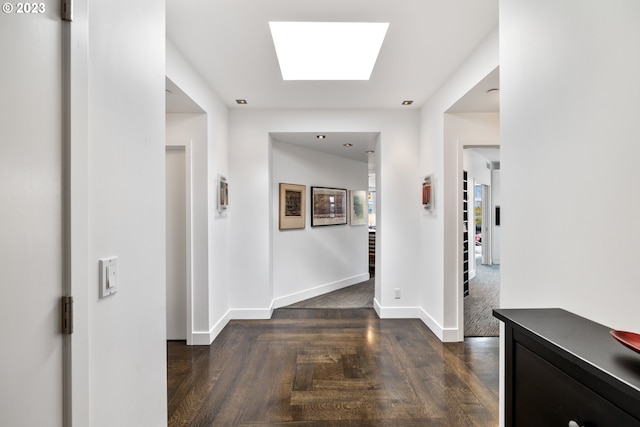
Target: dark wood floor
<point>332,368</point>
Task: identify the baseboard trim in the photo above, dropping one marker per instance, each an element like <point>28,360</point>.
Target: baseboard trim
<point>398,312</point>
<point>377,307</point>
<point>206,338</point>
<point>319,290</point>
<point>444,334</point>
<point>251,313</point>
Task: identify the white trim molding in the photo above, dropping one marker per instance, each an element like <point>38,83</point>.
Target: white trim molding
<point>444,334</point>
<point>206,338</point>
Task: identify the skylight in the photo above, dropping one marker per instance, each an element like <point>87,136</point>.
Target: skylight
<point>327,50</point>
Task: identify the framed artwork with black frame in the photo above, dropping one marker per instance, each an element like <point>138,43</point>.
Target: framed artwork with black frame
<point>328,206</point>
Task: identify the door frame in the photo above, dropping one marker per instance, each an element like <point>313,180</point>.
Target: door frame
<point>77,266</point>
<point>461,145</point>
<point>186,146</point>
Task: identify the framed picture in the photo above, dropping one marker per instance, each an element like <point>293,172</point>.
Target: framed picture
<point>292,206</point>
<point>357,207</point>
<point>328,206</point>
<point>223,193</point>
<point>427,193</point>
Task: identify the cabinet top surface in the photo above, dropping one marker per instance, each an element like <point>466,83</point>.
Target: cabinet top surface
<point>590,342</point>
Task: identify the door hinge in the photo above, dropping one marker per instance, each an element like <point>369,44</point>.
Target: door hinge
<point>67,315</point>
<point>67,10</point>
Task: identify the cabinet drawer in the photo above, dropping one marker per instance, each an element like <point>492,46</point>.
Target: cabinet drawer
<point>545,396</point>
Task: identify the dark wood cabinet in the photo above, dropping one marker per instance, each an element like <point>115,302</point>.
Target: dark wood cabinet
<point>564,370</point>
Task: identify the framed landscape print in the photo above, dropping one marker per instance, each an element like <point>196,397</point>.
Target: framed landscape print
<point>292,206</point>
<point>328,206</point>
<point>357,207</point>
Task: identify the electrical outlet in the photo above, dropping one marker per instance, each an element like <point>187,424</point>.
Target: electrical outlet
<point>396,293</point>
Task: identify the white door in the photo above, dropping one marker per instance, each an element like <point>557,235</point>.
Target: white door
<point>176,244</point>
<point>31,183</point>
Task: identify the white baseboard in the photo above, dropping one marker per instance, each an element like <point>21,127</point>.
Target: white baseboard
<point>318,290</point>
<point>206,338</point>
<point>444,334</point>
<point>377,307</point>
<point>398,312</point>
<point>251,313</point>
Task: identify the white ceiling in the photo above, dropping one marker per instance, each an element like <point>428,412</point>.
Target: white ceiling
<point>229,43</point>
<point>489,154</point>
<point>482,98</point>
<point>333,143</point>
<point>177,101</point>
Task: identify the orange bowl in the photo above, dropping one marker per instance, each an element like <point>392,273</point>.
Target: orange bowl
<point>628,339</point>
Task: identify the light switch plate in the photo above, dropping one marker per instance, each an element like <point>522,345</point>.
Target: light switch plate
<point>108,276</point>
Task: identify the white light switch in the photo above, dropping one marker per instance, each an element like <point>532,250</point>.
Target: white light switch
<point>108,276</point>
<point>111,276</point>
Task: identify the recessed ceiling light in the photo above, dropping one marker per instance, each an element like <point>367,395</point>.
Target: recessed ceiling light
<point>241,101</point>
<point>495,89</point>
<point>407,102</point>
<point>168,91</point>
<point>321,136</point>
<point>348,145</point>
<point>327,50</point>
<point>370,151</point>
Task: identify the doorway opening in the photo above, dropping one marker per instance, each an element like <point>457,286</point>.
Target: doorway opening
<point>186,130</point>
<point>176,246</point>
<point>344,160</point>
<point>482,290</point>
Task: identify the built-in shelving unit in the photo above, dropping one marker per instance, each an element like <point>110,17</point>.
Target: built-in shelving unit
<point>465,234</point>
<point>372,253</point>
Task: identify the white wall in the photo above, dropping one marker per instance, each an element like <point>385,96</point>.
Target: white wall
<point>569,86</point>
<point>252,290</point>
<point>476,165</point>
<point>439,154</point>
<point>210,228</point>
<point>316,260</point>
<point>125,181</point>
<point>190,131</point>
